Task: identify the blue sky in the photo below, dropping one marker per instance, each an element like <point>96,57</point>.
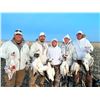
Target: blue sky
<point>55,25</point>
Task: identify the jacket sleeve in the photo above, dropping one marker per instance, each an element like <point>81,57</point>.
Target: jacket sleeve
<point>74,54</point>
<point>60,54</point>
<point>28,59</point>
<point>89,47</point>
<point>48,53</point>
<point>46,49</point>
<point>32,50</point>
<point>63,49</point>
<point>3,51</point>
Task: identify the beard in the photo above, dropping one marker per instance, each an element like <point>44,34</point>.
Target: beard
<point>42,40</point>
<point>18,41</point>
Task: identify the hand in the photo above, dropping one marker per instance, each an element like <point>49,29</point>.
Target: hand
<point>64,57</point>
<point>36,55</point>
<point>50,60</point>
<point>26,68</point>
<point>13,68</point>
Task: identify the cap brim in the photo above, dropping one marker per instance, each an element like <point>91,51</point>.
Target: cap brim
<point>79,33</point>
<point>17,33</point>
<point>42,35</point>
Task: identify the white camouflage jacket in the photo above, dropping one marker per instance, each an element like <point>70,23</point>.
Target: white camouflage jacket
<point>82,47</point>
<point>41,49</point>
<point>10,52</point>
<point>68,50</point>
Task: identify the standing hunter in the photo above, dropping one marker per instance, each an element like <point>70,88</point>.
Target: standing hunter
<point>68,50</point>
<point>84,49</point>
<point>16,55</point>
<point>68,54</point>
<point>38,48</point>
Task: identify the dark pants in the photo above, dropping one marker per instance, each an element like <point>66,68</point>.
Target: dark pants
<point>57,76</point>
<point>16,80</point>
<point>88,75</point>
<point>33,78</point>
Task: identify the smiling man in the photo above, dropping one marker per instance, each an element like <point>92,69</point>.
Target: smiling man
<point>38,48</point>
<point>16,54</point>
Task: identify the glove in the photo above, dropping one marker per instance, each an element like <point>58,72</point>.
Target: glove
<point>36,55</point>
<point>64,57</point>
<point>27,66</point>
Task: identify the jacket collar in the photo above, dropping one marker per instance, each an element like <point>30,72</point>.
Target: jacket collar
<point>18,45</point>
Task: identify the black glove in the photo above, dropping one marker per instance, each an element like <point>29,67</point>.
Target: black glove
<point>36,55</point>
<point>31,59</point>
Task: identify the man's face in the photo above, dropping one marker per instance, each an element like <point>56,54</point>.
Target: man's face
<point>42,38</point>
<point>66,40</point>
<point>79,36</point>
<point>54,43</point>
<point>18,38</point>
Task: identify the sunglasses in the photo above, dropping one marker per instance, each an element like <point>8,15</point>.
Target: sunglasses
<point>18,31</point>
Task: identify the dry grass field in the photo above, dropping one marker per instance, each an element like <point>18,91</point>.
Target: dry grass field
<point>96,55</point>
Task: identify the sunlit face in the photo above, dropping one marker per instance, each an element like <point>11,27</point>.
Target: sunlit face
<point>42,38</point>
<point>18,38</point>
<point>66,40</point>
<point>79,36</point>
<point>54,43</point>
